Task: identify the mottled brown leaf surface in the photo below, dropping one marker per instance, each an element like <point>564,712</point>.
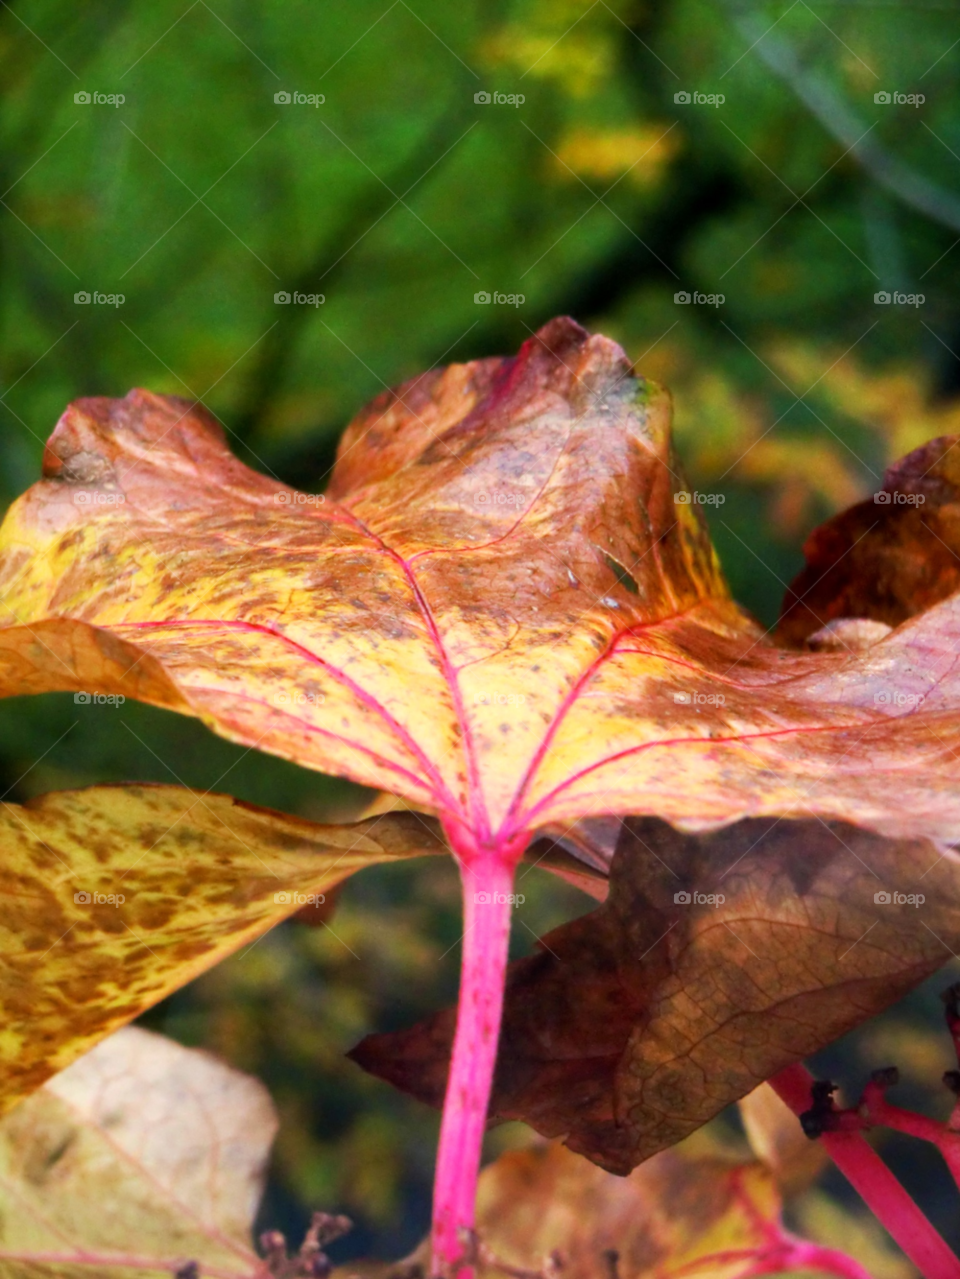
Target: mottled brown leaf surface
<point>885,560</point>
<point>638,1022</point>
<point>504,611</point>
<point>138,1159</point>
<point>200,875</point>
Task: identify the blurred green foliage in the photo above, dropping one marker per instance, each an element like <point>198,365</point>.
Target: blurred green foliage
<point>200,197</point>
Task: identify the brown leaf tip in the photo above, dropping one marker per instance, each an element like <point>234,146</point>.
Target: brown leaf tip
<point>92,432</point>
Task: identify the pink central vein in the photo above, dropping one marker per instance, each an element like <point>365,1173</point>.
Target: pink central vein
<point>516,818</point>
<point>570,700</point>
<point>479,816</point>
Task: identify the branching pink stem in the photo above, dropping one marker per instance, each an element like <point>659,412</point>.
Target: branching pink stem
<point>785,1254</point>
<point>487,877</point>
<point>943,1136</point>
<point>802,1255</point>
<point>875,1184</point>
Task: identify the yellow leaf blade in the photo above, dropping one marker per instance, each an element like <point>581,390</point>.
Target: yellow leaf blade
<point>200,875</point>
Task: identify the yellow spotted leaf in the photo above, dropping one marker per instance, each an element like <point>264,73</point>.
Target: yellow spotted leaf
<point>114,896</point>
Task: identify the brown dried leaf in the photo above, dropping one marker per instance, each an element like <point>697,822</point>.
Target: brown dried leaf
<point>635,1024</point>
<point>886,560</point>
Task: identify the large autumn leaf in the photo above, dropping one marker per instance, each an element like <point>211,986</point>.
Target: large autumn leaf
<point>504,611</point>
<point>114,896</point>
<point>717,960</point>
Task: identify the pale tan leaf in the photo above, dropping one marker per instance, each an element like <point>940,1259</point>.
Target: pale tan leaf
<point>139,1158</point>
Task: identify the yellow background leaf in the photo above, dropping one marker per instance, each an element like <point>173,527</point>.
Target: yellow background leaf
<point>200,876</point>
<point>144,1153</point>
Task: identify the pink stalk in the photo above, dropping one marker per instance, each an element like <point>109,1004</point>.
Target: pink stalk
<point>875,1184</point>
<point>487,877</point>
<point>876,1110</point>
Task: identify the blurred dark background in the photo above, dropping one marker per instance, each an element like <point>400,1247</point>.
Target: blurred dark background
<point>621,181</point>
